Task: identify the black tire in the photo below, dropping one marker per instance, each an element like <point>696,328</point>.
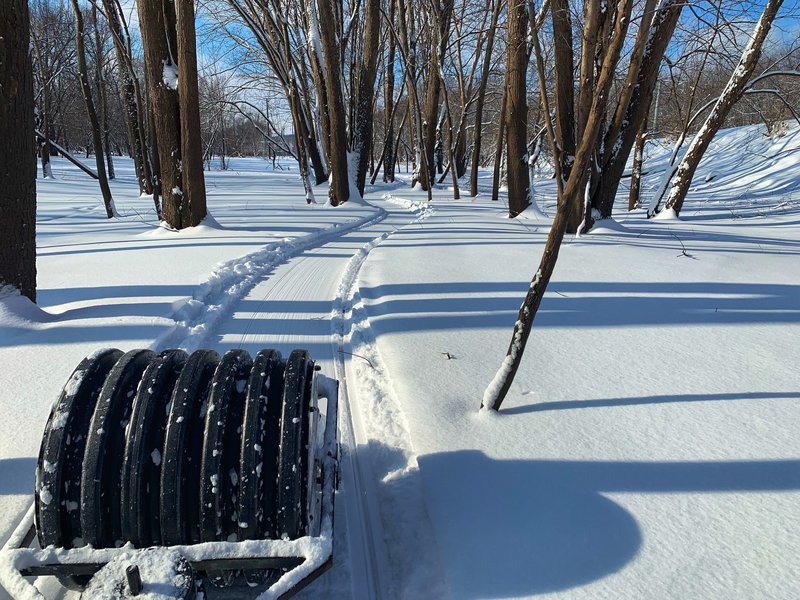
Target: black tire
<point>101,519</point>
<point>61,453</point>
<point>293,460</point>
<point>219,480</point>
<point>179,492</point>
<point>57,505</point>
<point>258,462</point>
<point>258,471</point>
<point>144,450</point>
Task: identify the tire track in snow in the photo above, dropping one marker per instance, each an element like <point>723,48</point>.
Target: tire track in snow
<point>196,317</point>
<point>395,508</point>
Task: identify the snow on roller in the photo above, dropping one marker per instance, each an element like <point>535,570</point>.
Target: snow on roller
<point>164,475</point>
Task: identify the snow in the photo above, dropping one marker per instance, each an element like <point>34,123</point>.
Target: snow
<point>161,576</point>
<point>170,77</point>
<point>647,448</point>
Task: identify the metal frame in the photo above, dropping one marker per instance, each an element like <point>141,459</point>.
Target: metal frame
<point>18,560</point>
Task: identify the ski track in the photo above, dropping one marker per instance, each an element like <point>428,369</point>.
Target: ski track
<point>391,499</point>
<point>196,317</point>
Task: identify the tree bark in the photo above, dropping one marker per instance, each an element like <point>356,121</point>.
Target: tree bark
<point>430,114</point>
<point>101,89</point>
<point>632,111</point>
<point>388,105</point>
<point>730,95</point>
<point>366,91</point>
<point>565,95</point>
<point>132,105</point>
<point>516,114</point>
<point>157,24</point>
<point>193,208</point>
<point>498,149</point>
<point>17,152</point>
<point>481,97</point>
<point>636,170</point>
<point>339,191</point>
<point>86,89</point>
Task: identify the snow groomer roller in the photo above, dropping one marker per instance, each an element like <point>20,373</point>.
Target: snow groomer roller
<point>170,474</point>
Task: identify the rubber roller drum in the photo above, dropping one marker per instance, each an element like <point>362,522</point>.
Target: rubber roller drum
<point>221,445</point>
<point>258,471</point>
<point>144,448</point>
<point>105,446</point>
<point>58,472</point>
<point>179,491</point>
<point>293,462</point>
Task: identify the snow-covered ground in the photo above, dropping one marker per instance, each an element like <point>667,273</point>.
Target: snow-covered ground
<point>648,447</point>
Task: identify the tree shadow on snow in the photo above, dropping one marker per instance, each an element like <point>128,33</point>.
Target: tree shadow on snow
<point>522,527</point>
<point>635,401</point>
<point>399,307</point>
<point>17,476</point>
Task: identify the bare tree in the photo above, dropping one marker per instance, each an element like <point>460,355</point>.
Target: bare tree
<point>174,107</point>
<point>574,186</point>
<point>656,29</point>
<point>481,96</point>
<point>339,190</point>
<point>94,122</point>
<point>17,152</point>
<point>132,101</point>
<point>366,92</point>
<point>730,95</point>
<point>519,197</point>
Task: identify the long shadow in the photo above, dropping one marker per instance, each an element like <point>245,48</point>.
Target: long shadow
<point>48,296</point>
<point>509,528</point>
<point>398,307</point>
<point>636,401</point>
<point>17,476</point>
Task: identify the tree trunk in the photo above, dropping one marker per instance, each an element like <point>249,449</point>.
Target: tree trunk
<point>486,70</point>
<point>97,140</point>
<point>517,109</point>
<point>730,95</point>
<point>366,91</point>
<point>443,12</point>
<point>339,191</point>
<point>101,89</point>
<point>157,24</point>
<point>451,145</point>
<point>194,208</point>
<point>388,105</point>
<point>568,200</point>
<point>132,106</point>
<point>498,149</point>
<point>636,170</point>
<point>565,97</point>
<point>629,115</point>
<point>17,152</point>
<point>45,151</point>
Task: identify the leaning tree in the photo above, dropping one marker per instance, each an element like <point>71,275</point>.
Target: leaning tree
<point>572,186</point>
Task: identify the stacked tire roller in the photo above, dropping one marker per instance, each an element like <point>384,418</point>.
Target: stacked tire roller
<point>170,448</point>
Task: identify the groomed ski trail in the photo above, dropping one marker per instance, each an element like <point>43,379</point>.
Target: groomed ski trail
<point>372,424</point>
<point>292,308</point>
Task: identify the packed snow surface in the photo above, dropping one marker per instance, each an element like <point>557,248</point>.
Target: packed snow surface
<point>648,447</point>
